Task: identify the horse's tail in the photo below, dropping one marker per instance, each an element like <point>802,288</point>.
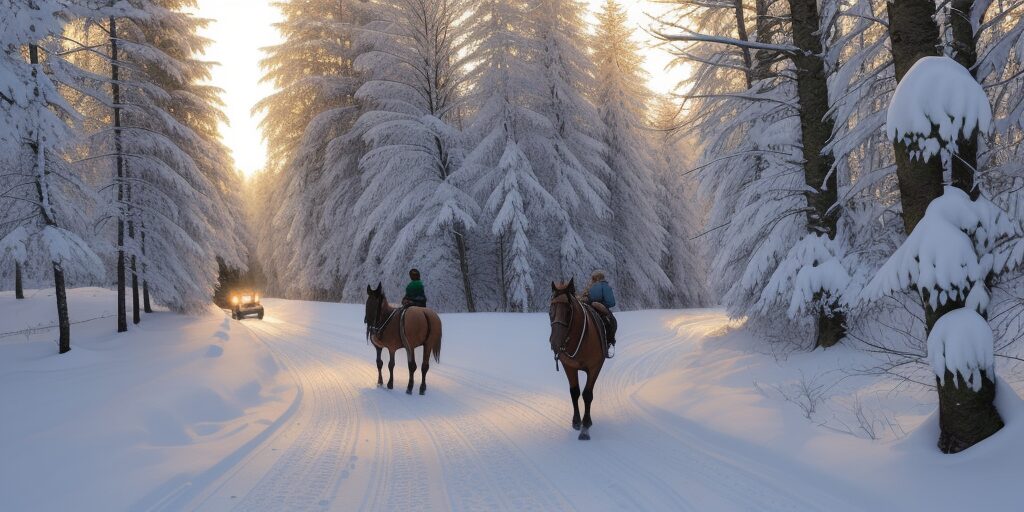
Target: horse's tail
<point>436,347</point>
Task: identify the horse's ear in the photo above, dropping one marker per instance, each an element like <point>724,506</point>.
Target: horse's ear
<point>369,290</point>
<point>553,287</point>
<point>572,285</point>
<point>380,286</point>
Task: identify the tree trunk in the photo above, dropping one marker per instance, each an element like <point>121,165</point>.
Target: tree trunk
<point>965,52</point>
<point>64,345</point>
<point>965,416</point>
<point>136,317</point>
<point>122,313</point>
<point>19,290</point>
<point>46,212</point>
<point>741,33</point>
<point>145,284</point>
<point>460,244</point>
<point>816,128</point>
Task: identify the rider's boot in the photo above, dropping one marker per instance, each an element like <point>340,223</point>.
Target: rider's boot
<point>611,325</point>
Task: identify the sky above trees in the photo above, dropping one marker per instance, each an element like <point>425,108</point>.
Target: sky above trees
<point>243,27</point>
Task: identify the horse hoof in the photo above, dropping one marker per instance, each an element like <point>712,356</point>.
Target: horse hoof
<point>584,436</point>
<point>391,386</point>
<point>408,391</point>
<point>423,392</point>
<point>576,425</point>
<point>380,384</point>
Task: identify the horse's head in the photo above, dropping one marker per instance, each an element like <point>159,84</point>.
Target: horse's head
<point>375,301</point>
<point>560,312</point>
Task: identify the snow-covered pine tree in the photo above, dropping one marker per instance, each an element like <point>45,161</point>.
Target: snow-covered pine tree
<point>638,236</point>
<point>679,210</point>
<point>33,124</point>
<point>155,133</point>
<point>311,179</point>
<point>509,137</point>
<point>951,280</point>
<point>573,168</point>
<point>810,277</point>
<point>413,211</point>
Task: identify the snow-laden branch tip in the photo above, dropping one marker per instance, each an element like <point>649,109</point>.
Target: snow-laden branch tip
<point>731,41</point>
<point>936,104</point>
<point>961,341</point>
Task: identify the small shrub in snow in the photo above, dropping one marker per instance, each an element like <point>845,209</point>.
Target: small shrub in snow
<point>936,103</point>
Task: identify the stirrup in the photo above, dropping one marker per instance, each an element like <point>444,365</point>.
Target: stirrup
<point>611,351</point>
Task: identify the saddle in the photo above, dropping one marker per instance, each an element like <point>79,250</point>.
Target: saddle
<point>600,320</point>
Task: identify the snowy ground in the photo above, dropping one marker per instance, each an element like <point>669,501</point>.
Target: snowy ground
<point>284,414</point>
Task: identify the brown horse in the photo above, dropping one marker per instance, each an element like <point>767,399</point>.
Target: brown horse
<point>391,328</point>
<point>577,341</point>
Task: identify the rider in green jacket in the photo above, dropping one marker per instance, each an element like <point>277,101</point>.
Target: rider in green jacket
<point>414,292</point>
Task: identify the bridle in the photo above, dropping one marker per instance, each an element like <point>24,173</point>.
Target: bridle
<point>563,348</point>
<point>373,328</point>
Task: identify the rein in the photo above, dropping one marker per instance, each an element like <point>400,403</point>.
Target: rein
<point>372,329</point>
<point>563,348</point>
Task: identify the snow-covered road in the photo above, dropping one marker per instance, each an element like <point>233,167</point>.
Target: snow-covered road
<point>493,431</point>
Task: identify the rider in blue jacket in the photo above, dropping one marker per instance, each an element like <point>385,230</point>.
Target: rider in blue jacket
<point>600,295</point>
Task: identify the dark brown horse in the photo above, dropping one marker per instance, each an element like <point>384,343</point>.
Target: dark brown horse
<point>390,328</point>
<point>577,341</point>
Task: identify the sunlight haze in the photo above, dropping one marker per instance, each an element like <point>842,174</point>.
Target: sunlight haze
<point>241,28</point>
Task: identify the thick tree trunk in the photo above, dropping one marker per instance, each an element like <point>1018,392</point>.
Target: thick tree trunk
<point>965,416</point>
<point>122,313</point>
<point>19,288</point>
<point>816,128</point>
<point>965,52</point>
<point>63,323</point>
<point>741,33</point>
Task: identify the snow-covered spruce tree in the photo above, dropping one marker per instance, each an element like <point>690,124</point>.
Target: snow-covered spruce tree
<point>573,170</point>
<point>159,141</point>
<point>33,122</point>
<point>504,132</point>
<point>679,210</point>
<point>638,236</point>
<point>955,244</point>
<point>415,212</point>
<point>311,178</point>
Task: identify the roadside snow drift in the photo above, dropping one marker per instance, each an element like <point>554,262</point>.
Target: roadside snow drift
<point>205,413</point>
<point>122,420</point>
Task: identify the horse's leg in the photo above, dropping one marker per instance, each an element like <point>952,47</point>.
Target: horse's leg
<point>424,368</point>
<point>588,397</point>
<point>574,392</point>
<point>391,370</point>
<point>412,369</point>
<point>380,366</point>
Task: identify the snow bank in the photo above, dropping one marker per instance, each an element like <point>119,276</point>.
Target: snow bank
<point>939,93</point>
<point>121,420</point>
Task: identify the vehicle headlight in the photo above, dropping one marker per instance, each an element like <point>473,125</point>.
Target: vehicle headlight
<point>234,300</point>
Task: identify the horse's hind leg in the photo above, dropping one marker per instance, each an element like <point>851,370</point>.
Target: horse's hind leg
<point>412,369</point>
<point>423,370</point>
<point>574,392</point>
<point>391,370</point>
<point>380,366</point>
<point>588,397</point>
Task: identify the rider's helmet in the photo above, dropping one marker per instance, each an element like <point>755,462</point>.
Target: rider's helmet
<point>414,274</point>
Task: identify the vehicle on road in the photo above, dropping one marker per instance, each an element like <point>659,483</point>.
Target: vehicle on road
<point>246,303</point>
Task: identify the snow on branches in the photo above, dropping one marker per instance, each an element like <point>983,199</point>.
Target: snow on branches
<point>957,244</point>
<point>811,274</point>
<point>937,103</point>
<point>947,258</point>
